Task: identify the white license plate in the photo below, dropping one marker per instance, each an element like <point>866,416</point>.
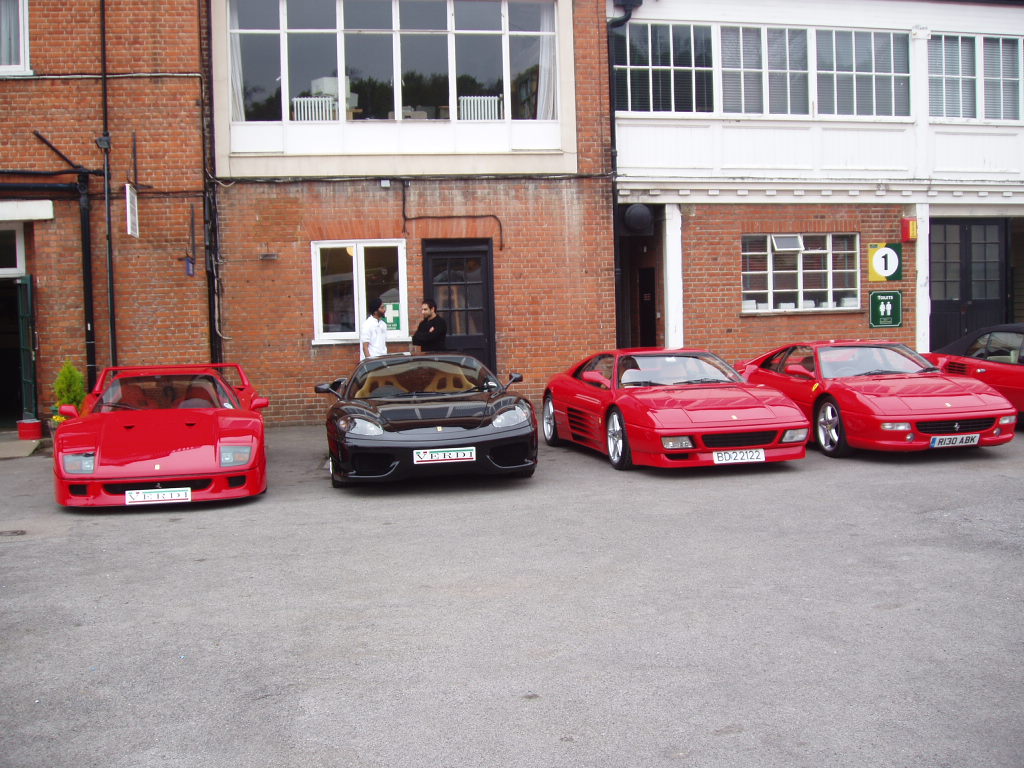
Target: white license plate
<point>744,456</point>
<point>952,441</point>
<point>158,496</point>
<point>443,455</point>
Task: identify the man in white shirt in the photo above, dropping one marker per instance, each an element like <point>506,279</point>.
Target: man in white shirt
<point>373,339</point>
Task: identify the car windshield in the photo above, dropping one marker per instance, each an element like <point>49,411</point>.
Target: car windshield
<point>142,393</point>
<point>407,377</point>
<point>870,360</point>
<point>674,370</point>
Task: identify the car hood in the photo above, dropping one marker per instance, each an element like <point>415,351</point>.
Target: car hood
<point>924,392</point>
<point>725,404</point>
<point>468,411</point>
<point>156,442</point>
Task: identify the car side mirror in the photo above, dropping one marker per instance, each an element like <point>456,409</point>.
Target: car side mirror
<point>259,403</point>
<point>799,371</point>
<point>68,410</point>
<point>334,388</point>
<point>597,379</point>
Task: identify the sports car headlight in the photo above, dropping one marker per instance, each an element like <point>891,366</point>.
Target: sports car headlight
<point>235,455</point>
<point>356,426</point>
<point>676,443</point>
<point>1008,419</point>
<point>897,426</point>
<point>79,463</point>
<point>794,435</point>
<point>509,418</point>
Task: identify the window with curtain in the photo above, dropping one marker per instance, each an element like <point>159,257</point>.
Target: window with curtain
<point>863,73</point>
<point>952,77</point>
<point>13,36</point>
<point>347,276</point>
<point>318,60</point>
<point>742,70</point>
<point>1002,81</point>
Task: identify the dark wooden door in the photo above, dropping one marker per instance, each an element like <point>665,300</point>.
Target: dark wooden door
<point>458,274</point>
<point>968,276</point>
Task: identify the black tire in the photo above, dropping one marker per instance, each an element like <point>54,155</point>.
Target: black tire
<point>547,419</point>
<point>335,482</point>
<point>618,440</point>
<point>829,430</point>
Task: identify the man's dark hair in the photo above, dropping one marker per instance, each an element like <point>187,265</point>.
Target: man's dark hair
<point>430,303</point>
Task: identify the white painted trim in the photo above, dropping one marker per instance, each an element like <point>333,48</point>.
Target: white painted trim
<point>673,267</point>
<point>923,304</point>
<point>26,210</point>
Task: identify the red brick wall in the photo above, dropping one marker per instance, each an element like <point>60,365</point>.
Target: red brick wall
<point>712,284</point>
<point>553,282</point>
<point>155,93</point>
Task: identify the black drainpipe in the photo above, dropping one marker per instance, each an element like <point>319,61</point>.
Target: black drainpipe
<point>103,142</point>
<point>621,304</point>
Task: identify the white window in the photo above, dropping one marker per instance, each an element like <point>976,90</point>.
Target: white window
<point>823,273</point>
<point>13,36</point>
<point>397,59</point>
<point>12,250</point>
<point>347,276</point>
<point>1002,78</point>
<point>863,73</point>
<point>952,77</point>
<point>762,70</point>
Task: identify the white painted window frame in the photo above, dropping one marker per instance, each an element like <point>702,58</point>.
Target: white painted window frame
<point>19,248</point>
<point>360,298</point>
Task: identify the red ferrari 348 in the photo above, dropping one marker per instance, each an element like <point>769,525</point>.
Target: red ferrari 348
<point>882,396</point>
<point>162,434</point>
<point>670,408</point>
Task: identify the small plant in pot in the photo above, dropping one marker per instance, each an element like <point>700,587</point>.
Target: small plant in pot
<point>68,389</point>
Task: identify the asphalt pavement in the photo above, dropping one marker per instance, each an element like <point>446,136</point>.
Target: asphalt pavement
<point>856,612</point>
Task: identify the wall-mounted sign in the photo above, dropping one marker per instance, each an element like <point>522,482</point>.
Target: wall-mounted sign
<point>131,200</point>
<point>886,309</point>
<point>885,262</point>
<point>392,315</point>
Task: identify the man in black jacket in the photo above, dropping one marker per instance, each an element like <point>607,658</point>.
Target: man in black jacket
<point>432,330</point>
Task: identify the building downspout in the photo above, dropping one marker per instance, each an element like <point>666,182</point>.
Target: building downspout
<point>103,142</point>
<point>621,308</point>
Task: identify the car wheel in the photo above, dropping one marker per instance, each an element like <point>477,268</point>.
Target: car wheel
<point>335,482</point>
<point>618,441</point>
<point>548,422</point>
<point>829,429</point>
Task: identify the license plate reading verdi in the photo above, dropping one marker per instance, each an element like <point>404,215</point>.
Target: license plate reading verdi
<point>158,496</point>
<point>443,455</point>
<point>952,441</point>
<point>744,456</point>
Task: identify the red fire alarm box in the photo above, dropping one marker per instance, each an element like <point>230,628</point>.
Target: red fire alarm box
<point>908,230</point>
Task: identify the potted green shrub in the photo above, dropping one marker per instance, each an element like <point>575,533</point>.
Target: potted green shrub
<point>68,389</point>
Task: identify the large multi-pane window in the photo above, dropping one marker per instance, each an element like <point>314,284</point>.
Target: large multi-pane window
<point>863,73</point>
<point>347,276</point>
<point>663,68</point>
<point>762,70</point>
<point>13,36</point>
<point>800,272</point>
<point>1002,80</point>
<point>324,60</point>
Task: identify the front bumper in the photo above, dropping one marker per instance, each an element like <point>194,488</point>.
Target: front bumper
<point>387,457</point>
<point>865,431</point>
<point>647,448</point>
<point>87,491</point>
